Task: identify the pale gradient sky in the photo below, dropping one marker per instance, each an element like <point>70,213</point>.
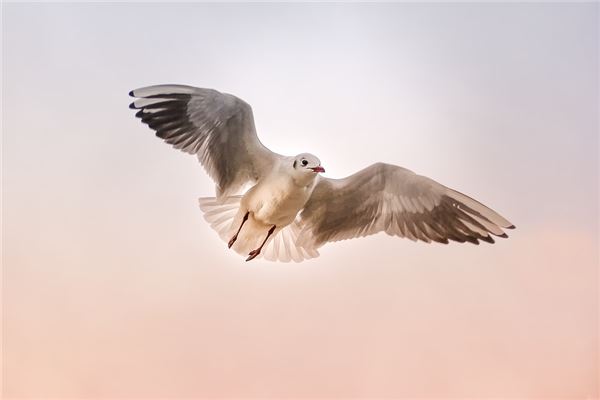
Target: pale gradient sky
<point>115,287</point>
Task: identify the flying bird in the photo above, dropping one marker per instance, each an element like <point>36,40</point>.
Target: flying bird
<point>290,210</point>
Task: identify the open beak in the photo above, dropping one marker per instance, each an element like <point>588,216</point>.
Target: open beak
<point>318,169</point>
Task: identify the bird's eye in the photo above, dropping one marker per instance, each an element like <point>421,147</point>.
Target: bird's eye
<point>304,163</point>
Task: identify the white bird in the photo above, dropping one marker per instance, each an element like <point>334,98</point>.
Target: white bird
<point>290,210</point>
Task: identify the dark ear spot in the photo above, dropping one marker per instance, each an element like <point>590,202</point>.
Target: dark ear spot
<point>295,162</point>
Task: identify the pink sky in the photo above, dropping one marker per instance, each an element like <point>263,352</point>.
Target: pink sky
<point>115,287</point>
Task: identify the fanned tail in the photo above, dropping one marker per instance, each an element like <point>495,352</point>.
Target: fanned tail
<point>285,246</point>
<point>225,217</point>
<point>220,214</point>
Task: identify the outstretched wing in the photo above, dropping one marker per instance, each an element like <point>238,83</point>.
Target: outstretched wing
<point>218,127</point>
<point>392,199</point>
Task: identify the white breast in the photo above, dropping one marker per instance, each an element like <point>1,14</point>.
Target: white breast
<point>276,200</point>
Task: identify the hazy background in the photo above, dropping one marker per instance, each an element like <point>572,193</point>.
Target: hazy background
<point>115,287</point>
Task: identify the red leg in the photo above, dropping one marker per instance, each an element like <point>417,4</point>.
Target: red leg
<point>256,252</point>
<point>234,238</point>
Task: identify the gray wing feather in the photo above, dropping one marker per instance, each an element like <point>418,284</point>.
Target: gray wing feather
<point>217,127</point>
<point>397,201</point>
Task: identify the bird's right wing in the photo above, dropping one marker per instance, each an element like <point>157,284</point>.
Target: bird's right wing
<point>392,199</point>
<point>218,127</point>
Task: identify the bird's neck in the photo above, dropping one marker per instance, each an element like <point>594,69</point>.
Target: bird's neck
<point>303,180</point>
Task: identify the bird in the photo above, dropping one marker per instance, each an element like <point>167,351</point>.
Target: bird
<point>281,207</point>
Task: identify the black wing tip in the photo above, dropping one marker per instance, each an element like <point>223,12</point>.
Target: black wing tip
<point>511,227</point>
<point>488,239</point>
<point>131,93</point>
<point>132,106</point>
<point>471,239</point>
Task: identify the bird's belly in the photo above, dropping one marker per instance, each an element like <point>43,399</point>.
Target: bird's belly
<point>277,212</point>
<point>276,208</point>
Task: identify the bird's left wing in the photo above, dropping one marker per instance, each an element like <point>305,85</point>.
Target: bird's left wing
<point>392,199</point>
<point>218,127</point>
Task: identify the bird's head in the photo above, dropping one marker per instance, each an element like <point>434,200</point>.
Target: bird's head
<point>306,166</point>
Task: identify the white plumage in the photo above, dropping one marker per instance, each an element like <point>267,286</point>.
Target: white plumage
<point>290,210</point>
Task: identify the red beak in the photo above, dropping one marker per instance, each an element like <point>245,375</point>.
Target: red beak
<point>318,169</point>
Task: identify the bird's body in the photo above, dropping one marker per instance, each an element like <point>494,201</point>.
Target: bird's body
<point>278,197</point>
<point>289,211</point>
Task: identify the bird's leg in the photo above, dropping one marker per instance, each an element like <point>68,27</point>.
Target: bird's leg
<point>256,252</point>
<point>234,238</point>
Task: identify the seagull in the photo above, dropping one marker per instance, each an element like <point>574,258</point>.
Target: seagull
<point>289,209</point>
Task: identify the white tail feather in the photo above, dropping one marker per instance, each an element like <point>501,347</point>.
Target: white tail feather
<point>220,214</point>
<point>225,217</point>
<point>285,246</point>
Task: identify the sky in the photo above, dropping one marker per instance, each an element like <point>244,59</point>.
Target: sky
<point>115,287</point>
